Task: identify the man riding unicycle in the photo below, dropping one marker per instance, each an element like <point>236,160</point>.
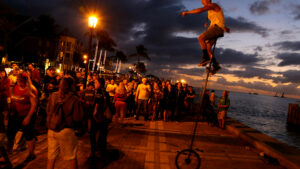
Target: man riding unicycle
<point>216,29</point>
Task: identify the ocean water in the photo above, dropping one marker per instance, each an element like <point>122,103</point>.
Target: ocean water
<point>266,114</point>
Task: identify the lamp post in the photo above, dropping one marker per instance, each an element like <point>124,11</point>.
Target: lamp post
<point>92,25</point>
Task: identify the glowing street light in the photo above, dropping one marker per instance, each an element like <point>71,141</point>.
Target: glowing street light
<point>84,57</point>
<point>93,21</point>
<point>92,25</point>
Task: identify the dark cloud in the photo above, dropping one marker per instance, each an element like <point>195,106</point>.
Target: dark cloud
<point>286,32</point>
<point>296,12</point>
<point>258,49</point>
<point>262,7</point>
<point>288,45</point>
<point>288,59</point>
<point>291,76</point>
<point>250,85</point>
<point>259,7</point>
<point>230,56</point>
<point>251,72</point>
<point>241,24</point>
<point>154,24</point>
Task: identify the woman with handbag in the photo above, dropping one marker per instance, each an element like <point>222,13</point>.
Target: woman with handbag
<point>101,118</point>
<point>64,114</point>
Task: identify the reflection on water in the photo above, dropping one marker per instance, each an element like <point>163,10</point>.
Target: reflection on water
<point>264,113</point>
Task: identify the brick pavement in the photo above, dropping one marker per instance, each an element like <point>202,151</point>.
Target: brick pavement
<point>154,145</point>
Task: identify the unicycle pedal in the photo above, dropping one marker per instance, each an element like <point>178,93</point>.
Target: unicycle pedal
<point>215,70</point>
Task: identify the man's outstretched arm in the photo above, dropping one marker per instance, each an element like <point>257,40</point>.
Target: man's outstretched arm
<point>200,10</point>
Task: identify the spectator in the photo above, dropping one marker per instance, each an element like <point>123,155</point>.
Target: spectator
<point>125,82</point>
<point>120,101</point>
<point>207,109</point>
<point>79,81</point>
<point>155,98</point>
<point>111,88</point>
<point>212,98</point>
<point>95,76</point>
<point>180,95</point>
<point>131,97</point>
<point>13,77</point>
<point>142,98</point>
<point>62,137</point>
<point>170,97</point>
<point>35,76</point>
<point>223,106</point>
<point>162,101</point>
<point>101,119</point>
<point>50,82</point>
<point>4,109</point>
<point>88,98</point>
<point>24,101</point>
<point>190,95</point>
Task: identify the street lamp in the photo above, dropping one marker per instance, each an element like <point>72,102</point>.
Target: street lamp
<point>92,25</point>
<point>85,59</point>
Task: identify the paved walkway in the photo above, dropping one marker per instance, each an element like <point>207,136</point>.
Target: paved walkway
<point>154,145</point>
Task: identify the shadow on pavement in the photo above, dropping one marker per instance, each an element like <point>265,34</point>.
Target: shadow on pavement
<point>102,162</point>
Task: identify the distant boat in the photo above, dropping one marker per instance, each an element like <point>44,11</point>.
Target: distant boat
<point>282,96</point>
<point>276,95</point>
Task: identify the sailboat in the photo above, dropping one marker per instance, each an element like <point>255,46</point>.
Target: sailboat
<point>282,96</point>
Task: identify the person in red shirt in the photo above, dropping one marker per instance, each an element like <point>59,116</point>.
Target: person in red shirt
<point>34,75</point>
<point>120,101</point>
<point>4,109</point>
<point>24,101</point>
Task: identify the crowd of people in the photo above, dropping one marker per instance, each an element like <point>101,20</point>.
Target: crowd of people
<point>59,103</point>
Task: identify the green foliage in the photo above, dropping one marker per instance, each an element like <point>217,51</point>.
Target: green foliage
<point>105,41</point>
<point>141,51</point>
<point>140,67</point>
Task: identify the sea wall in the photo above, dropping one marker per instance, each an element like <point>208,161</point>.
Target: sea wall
<point>286,155</point>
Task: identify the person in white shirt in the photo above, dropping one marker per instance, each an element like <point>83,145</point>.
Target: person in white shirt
<point>142,98</point>
<point>111,88</point>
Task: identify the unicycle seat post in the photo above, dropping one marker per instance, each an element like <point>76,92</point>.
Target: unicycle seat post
<point>203,92</point>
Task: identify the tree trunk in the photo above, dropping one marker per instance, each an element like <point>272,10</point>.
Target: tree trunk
<point>120,64</point>
<point>100,58</point>
<point>105,52</point>
<point>96,53</point>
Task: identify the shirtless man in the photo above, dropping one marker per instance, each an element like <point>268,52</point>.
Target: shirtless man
<point>216,29</point>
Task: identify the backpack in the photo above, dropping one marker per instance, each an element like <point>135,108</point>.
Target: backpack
<point>56,120</point>
<point>65,113</point>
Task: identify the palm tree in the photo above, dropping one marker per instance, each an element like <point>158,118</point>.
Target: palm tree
<point>105,43</point>
<point>5,29</point>
<point>140,67</point>
<point>141,51</point>
<point>121,57</point>
<point>47,30</point>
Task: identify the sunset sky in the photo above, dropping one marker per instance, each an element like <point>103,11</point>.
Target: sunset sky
<point>261,54</point>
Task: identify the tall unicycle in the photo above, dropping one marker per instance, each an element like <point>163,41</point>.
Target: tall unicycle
<point>189,158</point>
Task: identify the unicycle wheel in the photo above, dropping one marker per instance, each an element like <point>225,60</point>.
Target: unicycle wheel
<point>187,159</point>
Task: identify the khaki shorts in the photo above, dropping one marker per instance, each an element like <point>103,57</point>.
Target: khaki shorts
<point>222,114</point>
<point>65,142</point>
<point>212,34</point>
